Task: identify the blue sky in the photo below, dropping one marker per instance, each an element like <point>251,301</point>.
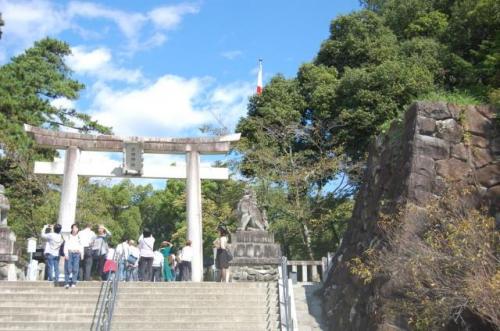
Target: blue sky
<point>164,68</point>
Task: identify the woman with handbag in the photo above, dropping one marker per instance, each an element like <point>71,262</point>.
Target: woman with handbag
<point>223,256</point>
<point>132,262</point>
<point>100,250</point>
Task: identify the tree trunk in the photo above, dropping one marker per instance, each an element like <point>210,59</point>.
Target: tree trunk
<point>307,240</point>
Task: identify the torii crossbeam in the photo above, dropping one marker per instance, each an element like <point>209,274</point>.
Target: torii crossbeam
<point>74,143</point>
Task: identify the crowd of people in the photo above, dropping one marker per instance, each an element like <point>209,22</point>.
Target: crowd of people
<point>89,256</point>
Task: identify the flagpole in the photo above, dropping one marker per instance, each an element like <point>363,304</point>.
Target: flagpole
<point>259,78</point>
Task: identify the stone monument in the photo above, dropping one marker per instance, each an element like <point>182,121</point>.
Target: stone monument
<point>256,256</point>
<point>7,240</point>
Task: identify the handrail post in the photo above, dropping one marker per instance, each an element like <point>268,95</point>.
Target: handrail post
<point>107,298</point>
<point>285,282</point>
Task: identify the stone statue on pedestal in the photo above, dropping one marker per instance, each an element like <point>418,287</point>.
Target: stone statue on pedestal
<point>255,254</point>
<point>249,214</point>
<point>7,240</point>
<point>4,207</point>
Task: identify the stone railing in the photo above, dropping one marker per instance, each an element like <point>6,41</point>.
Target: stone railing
<point>310,271</point>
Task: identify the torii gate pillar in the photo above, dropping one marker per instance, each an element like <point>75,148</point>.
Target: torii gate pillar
<point>69,192</point>
<point>194,216</point>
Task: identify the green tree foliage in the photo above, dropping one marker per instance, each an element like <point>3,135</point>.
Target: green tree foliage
<point>375,62</point>
<point>291,160</point>
<point>357,40</point>
<point>28,84</point>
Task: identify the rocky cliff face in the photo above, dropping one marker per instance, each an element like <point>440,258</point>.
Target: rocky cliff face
<point>437,143</point>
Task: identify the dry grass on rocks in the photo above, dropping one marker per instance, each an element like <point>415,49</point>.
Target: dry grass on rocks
<point>441,263</point>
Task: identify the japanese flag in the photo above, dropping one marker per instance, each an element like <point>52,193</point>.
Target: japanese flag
<point>259,79</point>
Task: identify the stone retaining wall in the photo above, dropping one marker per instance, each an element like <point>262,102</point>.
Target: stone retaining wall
<point>436,143</point>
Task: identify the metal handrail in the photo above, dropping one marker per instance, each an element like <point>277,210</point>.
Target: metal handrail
<point>286,295</point>
<point>107,298</point>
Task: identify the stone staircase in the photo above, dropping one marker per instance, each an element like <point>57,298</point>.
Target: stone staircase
<point>30,306</point>
<point>196,306</point>
<point>308,306</point>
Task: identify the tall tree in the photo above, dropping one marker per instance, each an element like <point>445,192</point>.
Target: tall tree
<point>290,161</point>
<point>28,85</point>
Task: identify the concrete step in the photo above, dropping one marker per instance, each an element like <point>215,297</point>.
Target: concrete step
<point>308,307</point>
<point>189,291</point>
<point>48,303</point>
<point>312,328</point>
<point>46,284</point>
<point>199,285</point>
<point>48,326</point>
<point>46,317</point>
<point>70,308</point>
<point>136,291</point>
<point>189,302</point>
<point>191,296</point>
<point>55,297</point>
<point>192,325</point>
<point>242,317</point>
<point>49,291</point>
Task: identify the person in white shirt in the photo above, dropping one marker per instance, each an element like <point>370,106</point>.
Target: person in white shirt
<point>185,265</point>
<point>87,237</point>
<point>222,258</point>
<point>157,266</point>
<point>122,250</point>
<point>146,243</point>
<point>73,253</point>
<point>132,261</point>
<point>52,247</point>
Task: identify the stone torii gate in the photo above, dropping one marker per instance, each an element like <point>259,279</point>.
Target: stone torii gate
<point>71,168</point>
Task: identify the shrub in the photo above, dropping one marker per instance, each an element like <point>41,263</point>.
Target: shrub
<point>442,262</point>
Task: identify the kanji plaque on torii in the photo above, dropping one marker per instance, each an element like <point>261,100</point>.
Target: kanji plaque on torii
<point>133,147</point>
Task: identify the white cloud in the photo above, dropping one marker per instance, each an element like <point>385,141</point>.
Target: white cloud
<point>169,17</point>
<point>30,20</point>
<point>98,63</point>
<point>229,102</point>
<point>27,21</point>
<point>63,103</point>
<point>231,55</point>
<point>170,106</point>
<point>163,106</point>
<point>130,24</point>
<point>82,60</point>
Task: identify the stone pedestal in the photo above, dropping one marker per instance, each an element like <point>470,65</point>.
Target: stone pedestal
<point>7,256</point>
<point>256,256</point>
